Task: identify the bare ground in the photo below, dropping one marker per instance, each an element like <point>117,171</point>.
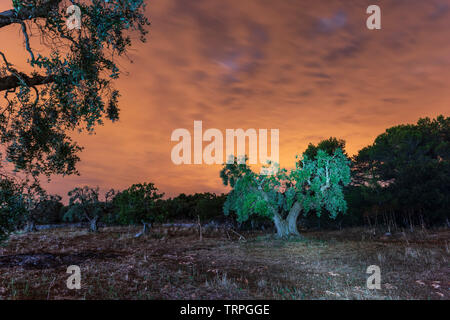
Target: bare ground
<point>172,263</point>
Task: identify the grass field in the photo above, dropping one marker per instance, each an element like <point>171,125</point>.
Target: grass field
<point>173,263</point>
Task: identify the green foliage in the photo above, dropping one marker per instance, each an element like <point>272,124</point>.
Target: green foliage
<point>329,145</point>
<point>139,203</point>
<point>314,184</point>
<point>12,206</point>
<point>74,81</point>
<point>355,198</point>
<point>24,202</point>
<point>110,215</point>
<point>206,205</point>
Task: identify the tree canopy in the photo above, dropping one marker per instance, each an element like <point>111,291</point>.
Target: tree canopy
<point>313,184</point>
<point>138,204</point>
<point>328,145</point>
<point>70,87</point>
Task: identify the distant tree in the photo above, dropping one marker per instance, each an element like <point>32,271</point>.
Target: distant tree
<point>12,206</point>
<point>209,206</point>
<point>48,209</point>
<point>312,185</point>
<point>206,206</point>
<point>179,207</point>
<point>110,214</point>
<point>31,199</point>
<point>139,204</point>
<point>84,204</point>
<point>407,171</point>
<point>32,195</point>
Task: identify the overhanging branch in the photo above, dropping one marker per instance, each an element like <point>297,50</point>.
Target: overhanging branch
<point>11,81</point>
<point>12,16</point>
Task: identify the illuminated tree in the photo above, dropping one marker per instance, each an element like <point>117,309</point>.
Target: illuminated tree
<point>84,204</point>
<point>314,184</point>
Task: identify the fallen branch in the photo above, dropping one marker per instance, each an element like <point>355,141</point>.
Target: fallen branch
<point>240,235</point>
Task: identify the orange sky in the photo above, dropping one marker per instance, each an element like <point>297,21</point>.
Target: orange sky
<point>308,68</point>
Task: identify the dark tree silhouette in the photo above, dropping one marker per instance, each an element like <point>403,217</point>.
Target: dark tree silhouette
<point>406,172</point>
<point>70,87</point>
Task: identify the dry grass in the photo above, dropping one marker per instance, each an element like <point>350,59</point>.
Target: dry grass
<point>175,264</point>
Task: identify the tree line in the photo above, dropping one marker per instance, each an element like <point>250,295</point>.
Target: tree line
<point>401,180</point>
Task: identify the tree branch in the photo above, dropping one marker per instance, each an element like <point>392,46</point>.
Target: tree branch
<point>12,81</point>
<point>19,78</point>
<point>27,41</point>
<point>25,13</point>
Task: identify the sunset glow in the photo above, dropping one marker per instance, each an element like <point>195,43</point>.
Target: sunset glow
<point>310,69</point>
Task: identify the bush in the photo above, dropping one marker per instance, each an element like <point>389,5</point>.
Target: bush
<point>48,210</point>
<point>84,205</point>
<point>207,206</point>
<point>140,203</point>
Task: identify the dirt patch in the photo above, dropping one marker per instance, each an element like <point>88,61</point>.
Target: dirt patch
<point>173,263</point>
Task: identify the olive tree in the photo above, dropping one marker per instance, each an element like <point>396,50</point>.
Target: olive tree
<point>32,195</point>
<point>84,204</point>
<point>46,210</point>
<point>65,86</point>
<point>314,184</point>
<point>138,204</point>
<point>26,200</point>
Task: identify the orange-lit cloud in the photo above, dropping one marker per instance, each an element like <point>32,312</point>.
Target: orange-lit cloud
<point>308,68</point>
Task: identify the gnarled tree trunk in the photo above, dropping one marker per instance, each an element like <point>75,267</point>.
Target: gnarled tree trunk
<point>93,227</point>
<point>288,226</point>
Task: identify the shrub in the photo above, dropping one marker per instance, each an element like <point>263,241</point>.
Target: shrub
<point>140,203</point>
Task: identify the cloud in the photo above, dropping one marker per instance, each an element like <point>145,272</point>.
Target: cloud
<point>349,50</point>
<point>333,23</point>
<point>440,10</point>
<point>310,69</point>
